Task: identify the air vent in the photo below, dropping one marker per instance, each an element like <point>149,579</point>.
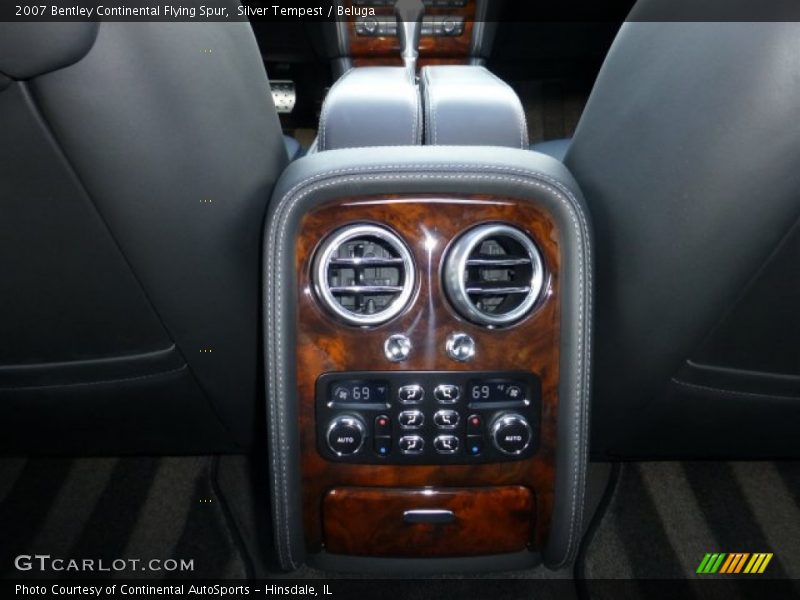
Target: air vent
<point>494,275</point>
<point>364,274</point>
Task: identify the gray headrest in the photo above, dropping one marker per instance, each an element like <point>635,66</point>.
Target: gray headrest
<point>31,49</point>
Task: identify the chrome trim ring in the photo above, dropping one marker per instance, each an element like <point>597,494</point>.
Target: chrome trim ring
<point>322,263</point>
<point>455,270</point>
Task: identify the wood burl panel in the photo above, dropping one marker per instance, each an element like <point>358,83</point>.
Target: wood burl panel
<point>428,225</point>
<point>486,521</point>
<point>385,50</point>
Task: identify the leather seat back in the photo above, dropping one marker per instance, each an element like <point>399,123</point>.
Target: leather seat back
<point>688,155</point>
<point>137,164</point>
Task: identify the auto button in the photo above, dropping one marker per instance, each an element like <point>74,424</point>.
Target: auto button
<point>346,435</point>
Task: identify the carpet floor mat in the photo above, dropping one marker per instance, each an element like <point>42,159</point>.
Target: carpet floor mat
<point>552,108</point>
<point>116,508</point>
<point>661,520</point>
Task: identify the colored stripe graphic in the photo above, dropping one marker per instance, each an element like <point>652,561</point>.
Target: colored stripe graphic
<point>711,563</point>
<point>740,564</point>
<point>758,563</point>
<point>703,563</point>
<point>727,564</point>
<point>734,563</point>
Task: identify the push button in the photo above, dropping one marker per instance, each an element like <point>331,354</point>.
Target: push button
<point>410,394</point>
<point>446,419</point>
<point>475,445</point>
<point>383,425</point>
<point>411,444</point>
<point>475,425</point>
<point>446,394</point>
<point>411,419</point>
<point>511,434</point>
<point>341,394</point>
<point>346,435</point>
<point>446,444</point>
<point>383,445</point>
<point>515,393</point>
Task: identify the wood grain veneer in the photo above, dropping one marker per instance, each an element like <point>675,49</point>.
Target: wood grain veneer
<point>498,519</point>
<point>386,49</point>
<point>428,225</point>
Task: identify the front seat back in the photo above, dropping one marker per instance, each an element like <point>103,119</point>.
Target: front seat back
<point>136,163</point>
<point>688,155</point>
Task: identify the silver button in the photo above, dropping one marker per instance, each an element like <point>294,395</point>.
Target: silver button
<point>411,444</point>
<point>446,419</point>
<point>447,394</point>
<point>397,348</point>
<point>410,394</point>
<point>446,444</point>
<point>514,392</point>
<point>346,435</point>
<point>411,419</point>
<point>460,347</point>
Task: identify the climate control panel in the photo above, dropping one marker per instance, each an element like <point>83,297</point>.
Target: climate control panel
<point>404,417</point>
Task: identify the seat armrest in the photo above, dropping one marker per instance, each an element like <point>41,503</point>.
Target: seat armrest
<point>371,106</point>
<point>470,106</point>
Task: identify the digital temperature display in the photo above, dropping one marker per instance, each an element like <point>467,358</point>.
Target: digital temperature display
<point>359,392</point>
<point>496,391</point>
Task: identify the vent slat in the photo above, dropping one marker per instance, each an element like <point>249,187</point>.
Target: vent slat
<point>500,261</point>
<point>365,290</point>
<point>368,261</point>
<point>488,290</point>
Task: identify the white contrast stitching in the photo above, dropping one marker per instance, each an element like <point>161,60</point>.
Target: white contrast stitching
<point>584,338</point>
<point>522,122</point>
<point>323,120</point>
<point>414,101</point>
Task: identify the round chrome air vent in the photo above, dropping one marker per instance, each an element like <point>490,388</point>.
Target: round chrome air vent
<point>364,274</point>
<point>494,274</point>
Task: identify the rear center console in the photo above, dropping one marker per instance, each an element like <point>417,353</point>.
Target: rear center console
<point>427,320</point>
<point>427,333</point>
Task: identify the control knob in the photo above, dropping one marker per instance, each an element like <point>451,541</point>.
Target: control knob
<point>511,434</point>
<point>371,26</point>
<point>346,435</point>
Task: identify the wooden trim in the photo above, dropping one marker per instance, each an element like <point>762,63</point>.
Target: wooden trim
<point>387,48</point>
<point>370,522</point>
<point>427,224</point>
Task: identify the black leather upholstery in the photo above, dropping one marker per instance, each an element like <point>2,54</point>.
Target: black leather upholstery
<point>31,49</point>
<point>555,148</point>
<point>140,158</point>
<point>293,148</point>
<point>371,106</point>
<point>687,156</point>
<point>470,106</point>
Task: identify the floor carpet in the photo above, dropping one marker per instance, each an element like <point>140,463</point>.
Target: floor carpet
<point>661,519</point>
<point>110,508</point>
<point>658,521</point>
